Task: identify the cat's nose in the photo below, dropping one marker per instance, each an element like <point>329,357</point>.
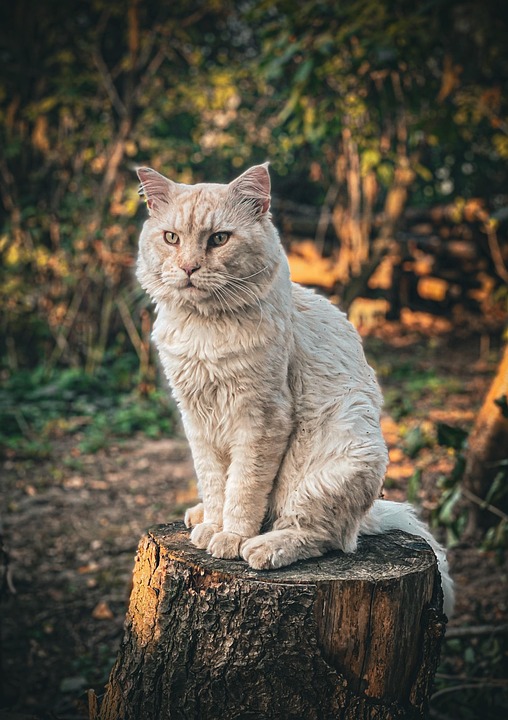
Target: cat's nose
<point>190,268</point>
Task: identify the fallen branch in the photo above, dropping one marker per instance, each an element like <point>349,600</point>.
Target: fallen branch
<point>483,504</point>
<point>487,683</point>
<point>475,631</point>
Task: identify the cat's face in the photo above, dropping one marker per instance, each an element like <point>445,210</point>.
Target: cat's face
<point>209,247</point>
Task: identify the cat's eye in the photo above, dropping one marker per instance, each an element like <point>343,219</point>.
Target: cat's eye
<point>171,238</point>
<point>218,239</point>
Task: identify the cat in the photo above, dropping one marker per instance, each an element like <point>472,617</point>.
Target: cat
<point>280,407</point>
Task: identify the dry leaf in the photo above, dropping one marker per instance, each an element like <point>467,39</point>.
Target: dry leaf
<point>102,611</point>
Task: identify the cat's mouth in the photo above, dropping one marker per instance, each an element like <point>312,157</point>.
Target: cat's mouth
<point>191,288</point>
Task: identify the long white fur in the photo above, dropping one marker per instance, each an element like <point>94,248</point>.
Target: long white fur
<point>280,407</point>
<point>386,515</point>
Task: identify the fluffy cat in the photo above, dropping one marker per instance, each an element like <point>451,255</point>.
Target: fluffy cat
<point>279,405</point>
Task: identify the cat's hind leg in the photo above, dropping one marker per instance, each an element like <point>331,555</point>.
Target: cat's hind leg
<point>194,515</point>
<point>278,548</point>
<point>324,513</point>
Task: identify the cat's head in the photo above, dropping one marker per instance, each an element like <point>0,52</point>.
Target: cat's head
<point>208,247</point>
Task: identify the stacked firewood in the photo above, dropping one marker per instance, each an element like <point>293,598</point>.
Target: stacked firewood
<point>449,261</point>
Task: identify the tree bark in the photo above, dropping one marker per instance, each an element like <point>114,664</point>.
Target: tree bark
<point>487,446</point>
<point>343,636</point>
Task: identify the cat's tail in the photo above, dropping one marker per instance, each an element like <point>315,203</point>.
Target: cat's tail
<point>386,515</point>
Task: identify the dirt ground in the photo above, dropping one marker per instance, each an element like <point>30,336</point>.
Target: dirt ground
<point>72,524</point>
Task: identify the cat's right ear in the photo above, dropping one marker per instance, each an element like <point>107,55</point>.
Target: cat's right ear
<point>155,188</point>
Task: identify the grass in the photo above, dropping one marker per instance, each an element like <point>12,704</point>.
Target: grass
<point>405,385</point>
<point>95,409</point>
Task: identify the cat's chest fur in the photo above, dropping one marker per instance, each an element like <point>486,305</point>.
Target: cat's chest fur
<point>213,364</point>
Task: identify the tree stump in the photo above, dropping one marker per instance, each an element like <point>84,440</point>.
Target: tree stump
<point>342,636</point>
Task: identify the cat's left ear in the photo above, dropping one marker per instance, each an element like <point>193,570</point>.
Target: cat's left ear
<point>155,187</point>
<point>254,186</point>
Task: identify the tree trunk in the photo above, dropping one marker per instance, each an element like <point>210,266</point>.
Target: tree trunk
<point>487,446</point>
<point>344,636</point>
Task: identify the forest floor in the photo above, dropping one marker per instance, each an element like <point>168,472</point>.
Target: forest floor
<point>72,522</point>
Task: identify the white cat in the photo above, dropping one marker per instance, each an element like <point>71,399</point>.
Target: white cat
<point>278,402</point>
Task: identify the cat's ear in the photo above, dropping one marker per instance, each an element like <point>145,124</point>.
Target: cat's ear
<point>253,186</point>
<point>155,187</point>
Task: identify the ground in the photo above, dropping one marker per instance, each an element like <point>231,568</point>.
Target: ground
<point>72,523</point>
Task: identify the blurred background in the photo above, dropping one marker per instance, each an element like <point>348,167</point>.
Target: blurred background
<point>386,126</point>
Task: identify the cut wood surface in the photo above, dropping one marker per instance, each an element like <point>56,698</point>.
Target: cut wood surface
<point>342,636</point>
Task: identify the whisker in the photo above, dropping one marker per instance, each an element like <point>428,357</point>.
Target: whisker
<point>224,297</point>
<point>235,293</point>
<point>244,288</point>
<point>246,277</point>
<point>231,292</point>
<point>238,282</point>
<point>215,294</point>
<point>239,300</point>
<point>222,300</point>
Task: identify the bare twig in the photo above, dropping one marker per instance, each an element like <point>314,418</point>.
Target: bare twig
<point>23,425</point>
<point>108,83</point>
<point>476,630</point>
<point>325,216</point>
<point>66,326</point>
<point>6,580</point>
<point>7,186</point>
<point>131,328</point>
<point>146,49</point>
<point>483,504</point>
<point>195,17</point>
<point>114,160</point>
<point>97,354</point>
<point>481,683</point>
<point>151,69</point>
<point>495,251</point>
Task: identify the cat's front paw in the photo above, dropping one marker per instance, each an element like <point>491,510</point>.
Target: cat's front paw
<point>202,534</point>
<point>225,545</point>
<point>194,516</point>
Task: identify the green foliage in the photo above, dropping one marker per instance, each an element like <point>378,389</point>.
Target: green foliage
<point>415,440</point>
<point>470,681</point>
<point>428,77</point>
<point>414,485</point>
<point>406,384</point>
<point>451,493</point>
<point>450,436</point>
<point>91,410</point>
<point>151,415</point>
<point>452,512</point>
<point>502,403</point>
<point>89,90</point>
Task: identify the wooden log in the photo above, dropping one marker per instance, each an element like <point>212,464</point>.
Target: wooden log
<point>342,636</point>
